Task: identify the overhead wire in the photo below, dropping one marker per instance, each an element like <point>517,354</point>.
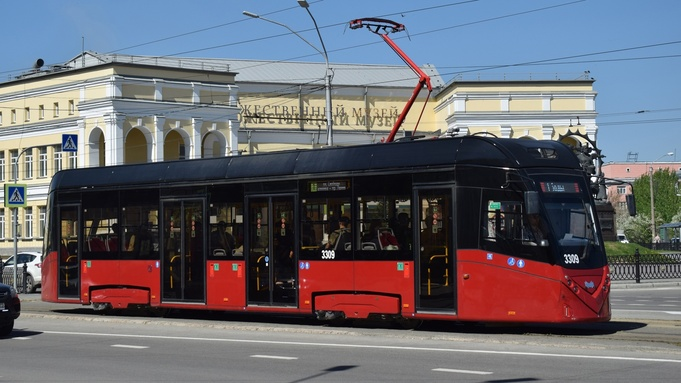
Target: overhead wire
<point>552,61</point>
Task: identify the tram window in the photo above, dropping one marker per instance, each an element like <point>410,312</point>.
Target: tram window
<point>322,217</point>
<point>68,234</point>
<point>508,230</point>
<point>139,225</point>
<point>384,223</point>
<point>98,223</point>
<point>226,230</point>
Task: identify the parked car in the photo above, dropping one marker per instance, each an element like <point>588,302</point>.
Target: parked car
<point>10,307</point>
<point>33,261</point>
<point>621,237</point>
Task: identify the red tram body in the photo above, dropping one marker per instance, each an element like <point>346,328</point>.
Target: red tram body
<point>462,210</point>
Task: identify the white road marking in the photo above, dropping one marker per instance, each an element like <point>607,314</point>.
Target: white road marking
<point>368,346</point>
<point>274,357</point>
<point>463,371</point>
<point>648,311</point>
<point>129,346</point>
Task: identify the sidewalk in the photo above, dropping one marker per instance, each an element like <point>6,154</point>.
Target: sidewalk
<point>647,283</point>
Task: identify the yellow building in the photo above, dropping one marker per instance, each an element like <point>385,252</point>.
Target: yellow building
<point>128,109</point>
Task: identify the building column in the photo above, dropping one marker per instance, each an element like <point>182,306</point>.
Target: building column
<point>506,131</point>
<point>157,154</point>
<point>81,143</point>
<point>547,132</point>
<point>114,140</point>
<point>195,138</point>
<point>591,132</point>
<point>232,138</point>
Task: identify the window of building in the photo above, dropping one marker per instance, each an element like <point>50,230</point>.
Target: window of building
<point>72,107</point>
<point>28,164</point>
<point>28,222</point>
<point>73,160</point>
<point>2,223</point>
<point>14,156</point>
<point>55,109</point>
<point>58,155</point>
<point>42,211</point>
<point>41,112</point>
<point>2,165</point>
<point>0,118</point>
<point>42,162</point>
<point>628,170</point>
<point>27,114</point>
<point>621,189</point>
<point>14,116</point>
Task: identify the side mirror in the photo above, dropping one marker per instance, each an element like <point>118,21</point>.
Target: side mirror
<point>531,202</point>
<point>631,204</point>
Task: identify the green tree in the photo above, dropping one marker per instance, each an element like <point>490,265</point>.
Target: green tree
<point>664,192</point>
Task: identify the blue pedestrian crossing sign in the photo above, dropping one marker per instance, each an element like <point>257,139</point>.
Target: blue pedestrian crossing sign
<point>69,142</point>
<point>15,195</point>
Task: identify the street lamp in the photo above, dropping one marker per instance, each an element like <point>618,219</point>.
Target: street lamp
<point>652,198</point>
<point>327,77</point>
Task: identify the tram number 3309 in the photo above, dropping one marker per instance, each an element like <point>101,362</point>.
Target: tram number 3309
<point>328,254</point>
<point>571,258</point>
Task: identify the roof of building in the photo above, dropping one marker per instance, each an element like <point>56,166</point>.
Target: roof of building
<point>264,71</point>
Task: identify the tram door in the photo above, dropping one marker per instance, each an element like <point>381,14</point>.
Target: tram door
<point>436,287</point>
<point>68,253</point>
<point>183,252</point>
<point>271,251</point>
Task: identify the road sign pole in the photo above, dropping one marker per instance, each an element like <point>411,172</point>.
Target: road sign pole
<point>16,248</point>
<point>69,143</point>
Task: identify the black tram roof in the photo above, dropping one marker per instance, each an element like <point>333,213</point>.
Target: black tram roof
<point>422,154</point>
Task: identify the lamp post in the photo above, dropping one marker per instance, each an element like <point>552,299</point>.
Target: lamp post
<point>327,77</point>
<point>652,198</point>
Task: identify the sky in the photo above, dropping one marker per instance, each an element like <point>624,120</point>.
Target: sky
<point>631,48</point>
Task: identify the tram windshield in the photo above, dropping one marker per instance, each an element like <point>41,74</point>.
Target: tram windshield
<point>572,221</point>
<point>562,232</point>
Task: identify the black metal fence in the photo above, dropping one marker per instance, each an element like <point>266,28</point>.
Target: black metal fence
<point>8,277</point>
<point>644,266</point>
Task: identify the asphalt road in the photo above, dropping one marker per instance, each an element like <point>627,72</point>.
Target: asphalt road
<point>56,342</point>
<point>74,344</point>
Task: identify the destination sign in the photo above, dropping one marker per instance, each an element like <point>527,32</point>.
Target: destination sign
<point>321,186</point>
<point>559,187</point>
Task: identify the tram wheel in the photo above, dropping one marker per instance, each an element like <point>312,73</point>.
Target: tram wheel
<point>408,323</point>
<point>161,312</point>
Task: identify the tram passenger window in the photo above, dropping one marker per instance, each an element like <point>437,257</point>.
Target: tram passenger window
<point>226,230</point>
<point>321,225</point>
<point>508,230</point>
<point>341,238</point>
<point>139,225</point>
<point>98,222</point>
<point>385,224</point>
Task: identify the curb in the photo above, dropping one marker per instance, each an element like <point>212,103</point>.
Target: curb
<point>621,285</point>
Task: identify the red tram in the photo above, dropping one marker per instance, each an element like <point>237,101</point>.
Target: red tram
<point>463,229</point>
